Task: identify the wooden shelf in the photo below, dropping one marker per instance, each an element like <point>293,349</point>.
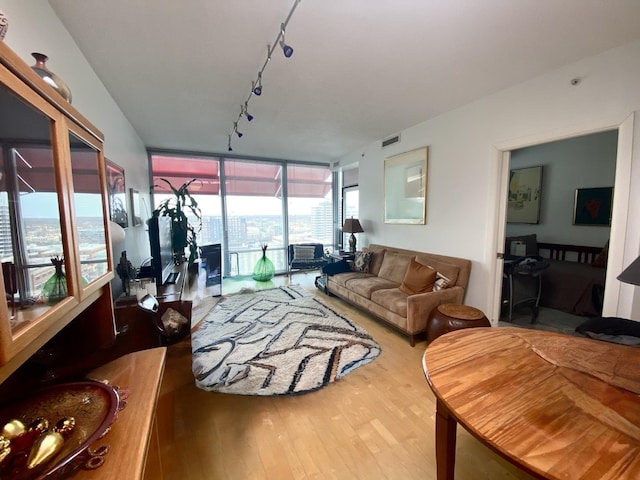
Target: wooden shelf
<point>133,437</point>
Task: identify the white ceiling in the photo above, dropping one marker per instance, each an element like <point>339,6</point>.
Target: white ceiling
<point>362,70</point>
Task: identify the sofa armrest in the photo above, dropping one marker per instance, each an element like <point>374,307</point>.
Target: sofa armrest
<point>419,306</point>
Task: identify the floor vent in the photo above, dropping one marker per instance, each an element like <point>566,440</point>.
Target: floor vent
<point>390,141</point>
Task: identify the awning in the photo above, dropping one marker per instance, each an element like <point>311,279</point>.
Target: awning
<point>242,178</point>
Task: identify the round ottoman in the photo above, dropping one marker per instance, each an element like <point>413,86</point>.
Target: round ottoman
<point>451,316</point>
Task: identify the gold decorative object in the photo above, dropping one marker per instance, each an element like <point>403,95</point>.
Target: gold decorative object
<point>44,448</point>
<point>12,429</point>
<point>5,448</point>
<point>41,424</point>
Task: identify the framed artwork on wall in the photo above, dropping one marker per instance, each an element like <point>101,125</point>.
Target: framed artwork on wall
<point>525,186</point>
<point>405,187</point>
<point>593,206</point>
<point>117,194</point>
<point>134,197</point>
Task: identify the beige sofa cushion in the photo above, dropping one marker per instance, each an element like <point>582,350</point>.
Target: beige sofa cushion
<point>392,299</point>
<point>394,266</point>
<point>366,286</point>
<point>342,278</point>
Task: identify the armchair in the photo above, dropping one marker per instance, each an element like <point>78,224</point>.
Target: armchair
<point>306,256</point>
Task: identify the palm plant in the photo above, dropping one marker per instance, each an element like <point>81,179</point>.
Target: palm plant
<point>183,232</point>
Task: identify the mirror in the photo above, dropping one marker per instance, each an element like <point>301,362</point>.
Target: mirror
<point>405,187</point>
<point>30,226</point>
<point>89,216</point>
<point>117,194</point>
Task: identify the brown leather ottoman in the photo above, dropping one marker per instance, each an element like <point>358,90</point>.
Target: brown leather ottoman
<point>451,316</point>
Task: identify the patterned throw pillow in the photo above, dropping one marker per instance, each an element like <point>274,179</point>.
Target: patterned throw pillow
<point>442,282</point>
<point>303,252</point>
<point>361,262</point>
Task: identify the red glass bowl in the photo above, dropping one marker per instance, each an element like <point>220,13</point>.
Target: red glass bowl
<point>94,406</point>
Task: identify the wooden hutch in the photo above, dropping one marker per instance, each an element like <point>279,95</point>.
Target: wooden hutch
<point>53,193</point>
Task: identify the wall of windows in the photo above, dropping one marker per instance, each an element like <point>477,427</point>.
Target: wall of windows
<point>250,203</point>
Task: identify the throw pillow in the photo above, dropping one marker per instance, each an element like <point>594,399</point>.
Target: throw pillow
<point>418,279</point>
<point>361,262</point>
<point>441,282</point>
<point>334,268</point>
<point>601,259</point>
<point>303,252</point>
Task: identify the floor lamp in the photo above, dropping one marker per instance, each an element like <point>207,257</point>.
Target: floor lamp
<point>631,274</point>
<point>352,225</point>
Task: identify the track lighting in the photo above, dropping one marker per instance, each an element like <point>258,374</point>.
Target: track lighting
<point>256,86</point>
<point>286,49</point>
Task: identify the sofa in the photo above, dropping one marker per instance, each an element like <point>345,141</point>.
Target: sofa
<point>390,285</point>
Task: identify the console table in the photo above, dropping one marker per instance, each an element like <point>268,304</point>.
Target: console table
<point>558,406</point>
<point>133,439</point>
<point>140,329</point>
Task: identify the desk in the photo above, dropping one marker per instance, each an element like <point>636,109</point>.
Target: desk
<point>522,272</point>
<point>559,407</point>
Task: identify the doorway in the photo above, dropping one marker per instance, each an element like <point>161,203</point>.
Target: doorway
<point>615,303</point>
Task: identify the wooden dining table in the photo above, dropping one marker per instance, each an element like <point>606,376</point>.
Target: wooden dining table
<point>557,406</point>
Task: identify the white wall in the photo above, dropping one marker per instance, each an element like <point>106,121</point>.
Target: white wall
<point>464,161</point>
<point>581,162</point>
<point>34,27</point>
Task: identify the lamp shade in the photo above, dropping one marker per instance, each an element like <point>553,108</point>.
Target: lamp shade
<point>631,274</point>
<point>352,225</point>
<point>117,233</point>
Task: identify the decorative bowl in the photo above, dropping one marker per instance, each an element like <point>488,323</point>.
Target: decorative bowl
<point>94,406</point>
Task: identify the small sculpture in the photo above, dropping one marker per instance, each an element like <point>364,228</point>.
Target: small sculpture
<point>126,272</point>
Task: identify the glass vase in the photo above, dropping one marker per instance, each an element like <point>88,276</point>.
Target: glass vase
<point>264,269</point>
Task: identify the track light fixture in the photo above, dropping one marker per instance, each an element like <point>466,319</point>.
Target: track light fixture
<point>256,86</point>
<point>286,49</point>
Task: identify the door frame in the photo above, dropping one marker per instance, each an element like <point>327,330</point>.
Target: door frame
<point>618,302</point>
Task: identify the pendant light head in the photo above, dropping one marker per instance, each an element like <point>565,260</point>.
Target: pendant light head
<point>229,149</point>
<point>235,129</point>
<point>246,111</point>
<point>286,49</point>
<point>256,87</point>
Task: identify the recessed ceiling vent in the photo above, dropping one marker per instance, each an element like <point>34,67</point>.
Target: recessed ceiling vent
<point>390,141</point>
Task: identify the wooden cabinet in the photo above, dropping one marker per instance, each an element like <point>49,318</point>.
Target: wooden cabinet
<point>52,205</point>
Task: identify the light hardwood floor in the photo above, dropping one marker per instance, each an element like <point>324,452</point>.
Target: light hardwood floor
<point>375,423</point>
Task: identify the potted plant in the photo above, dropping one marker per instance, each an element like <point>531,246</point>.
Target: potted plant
<point>183,232</point>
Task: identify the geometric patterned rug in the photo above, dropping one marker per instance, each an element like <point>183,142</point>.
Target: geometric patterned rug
<point>280,341</point>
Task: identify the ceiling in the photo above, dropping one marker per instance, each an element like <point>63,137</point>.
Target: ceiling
<point>361,70</point>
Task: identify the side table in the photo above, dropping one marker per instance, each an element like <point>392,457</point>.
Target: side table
<point>337,256</point>
<point>452,316</point>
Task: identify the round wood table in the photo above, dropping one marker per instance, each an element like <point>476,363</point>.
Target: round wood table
<point>558,406</point>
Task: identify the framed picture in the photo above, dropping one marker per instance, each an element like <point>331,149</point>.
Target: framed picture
<point>134,199</point>
<point>593,206</point>
<point>117,194</point>
<point>525,186</point>
<point>405,187</point>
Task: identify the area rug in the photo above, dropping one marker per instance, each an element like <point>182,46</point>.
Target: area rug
<point>281,341</point>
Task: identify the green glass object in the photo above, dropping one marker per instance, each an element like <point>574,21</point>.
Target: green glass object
<point>264,269</point>
<point>55,289</point>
